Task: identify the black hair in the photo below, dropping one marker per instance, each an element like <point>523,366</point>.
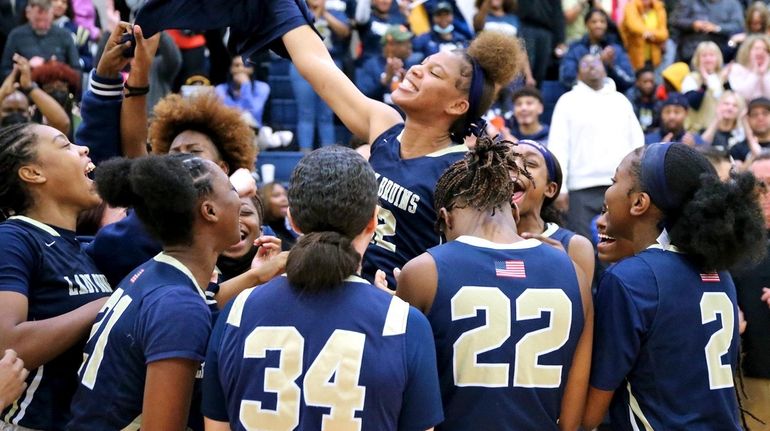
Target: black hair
<point>598,10</point>
<point>527,92</point>
<point>163,190</point>
<point>548,212</point>
<point>644,69</point>
<point>17,148</point>
<point>481,180</point>
<point>718,224</point>
<point>332,198</point>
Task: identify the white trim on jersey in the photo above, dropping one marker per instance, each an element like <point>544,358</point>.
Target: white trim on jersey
<point>29,394</point>
<point>481,242</point>
<point>168,260</point>
<point>635,412</point>
<point>236,311</point>
<point>40,225</point>
<point>550,229</point>
<point>395,321</point>
<point>356,279</point>
<point>135,424</point>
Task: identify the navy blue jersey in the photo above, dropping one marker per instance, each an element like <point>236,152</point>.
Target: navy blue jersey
<point>564,236</point>
<point>666,341</point>
<point>507,319</point>
<point>254,24</point>
<point>406,218</point>
<point>352,358</point>
<point>46,264</point>
<point>156,313</point>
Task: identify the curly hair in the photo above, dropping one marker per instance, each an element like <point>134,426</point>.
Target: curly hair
<point>325,184</point>
<point>52,71</point>
<point>719,224</point>
<point>204,113</point>
<point>163,190</point>
<point>500,57</point>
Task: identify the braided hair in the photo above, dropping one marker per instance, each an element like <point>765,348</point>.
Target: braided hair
<point>17,148</point>
<point>482,180</point>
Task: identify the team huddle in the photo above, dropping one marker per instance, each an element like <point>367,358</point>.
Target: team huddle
<point>413,298</point>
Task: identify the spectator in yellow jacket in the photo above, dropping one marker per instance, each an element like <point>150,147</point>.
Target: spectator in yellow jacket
<point>644,31</point>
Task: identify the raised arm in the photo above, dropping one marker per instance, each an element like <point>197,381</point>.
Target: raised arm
<point>133,112</point>
<point>365,117</point>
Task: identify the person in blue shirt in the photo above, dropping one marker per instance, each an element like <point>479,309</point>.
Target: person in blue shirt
<point>380,75</point>
<point>510,366</point>
<point>321,348</point>
<point>537,214</point>
<point>50,290</point>
<point>243,92</point>
<point>149,340</point>
<point>383,15</point>
<point>527,109</point>
<point>442,35</point>
<point>666,335</point>
<point>673,112</point>
<point>598,42</point>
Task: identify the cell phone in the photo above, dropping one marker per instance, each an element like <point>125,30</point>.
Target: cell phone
<point>128,52</point>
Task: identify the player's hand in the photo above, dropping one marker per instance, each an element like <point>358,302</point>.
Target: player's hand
<point>766,296</point>
<point>741,322</point>
<point>12,376</point>
<point>145,51</point>
<point>9,84</point>
<point>381,280</point>
<point>544,239</point>
<point>244,183</point>
<point>269,260</point>
<point>113,61</point>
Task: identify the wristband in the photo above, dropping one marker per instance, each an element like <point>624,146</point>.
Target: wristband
<point>29,89</point>
<point>135,91</point>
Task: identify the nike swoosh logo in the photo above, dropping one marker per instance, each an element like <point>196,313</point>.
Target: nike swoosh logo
<point>52,243</point>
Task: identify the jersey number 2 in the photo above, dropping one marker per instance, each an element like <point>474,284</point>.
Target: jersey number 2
<point>531,304</point>
<point>331,381</point>
<point>386,226</point>
<point>711,304</point>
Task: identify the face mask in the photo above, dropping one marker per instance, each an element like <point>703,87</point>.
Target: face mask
<point>450,28</point>
<point>14,118</point>
<point>62,97</point>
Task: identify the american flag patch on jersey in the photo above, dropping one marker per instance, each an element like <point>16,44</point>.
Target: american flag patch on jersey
<point>710,277</point>
<point>510,268</point>
<point>135,276</point>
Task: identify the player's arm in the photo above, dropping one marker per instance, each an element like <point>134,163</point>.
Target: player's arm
<point>167,394</point>
<point>597,404</point>
<point>365,117</point>
<point>212,425</point>
<point>40,341</point>
<point>418,282</point>
<point>572,403</point>
<point>581,251</point>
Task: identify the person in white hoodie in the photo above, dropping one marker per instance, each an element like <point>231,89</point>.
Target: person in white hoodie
<point>593,127</point>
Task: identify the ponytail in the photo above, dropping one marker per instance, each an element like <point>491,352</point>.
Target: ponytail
<point>722,225</point>
<point>320,261</point>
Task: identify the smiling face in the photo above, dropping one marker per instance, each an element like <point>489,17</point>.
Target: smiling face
<point>226,201</point>
<point>709,60</point>
<point>618,200</point>
<point>431,87</point>
<point>527,110</point>
<point>609,249</point>
<point>537,189</point>
<point>278,202</point>
<point>62,170</point>
<point>250,229</point>
<point>597,26</point>
<point>759,53</point>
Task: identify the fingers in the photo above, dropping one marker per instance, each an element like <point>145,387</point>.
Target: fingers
<point>8,357</point>
<point>396,273</point>
<point>120,29</point>
<point>766,295</point>
<point>381,281</point>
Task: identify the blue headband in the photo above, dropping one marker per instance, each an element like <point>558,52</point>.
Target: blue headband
<point>653,176</point>
<point>550,162</point>
<point>475,126</point>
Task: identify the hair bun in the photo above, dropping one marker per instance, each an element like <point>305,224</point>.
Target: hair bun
<point>499,55</point>
<point>113,182</point>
